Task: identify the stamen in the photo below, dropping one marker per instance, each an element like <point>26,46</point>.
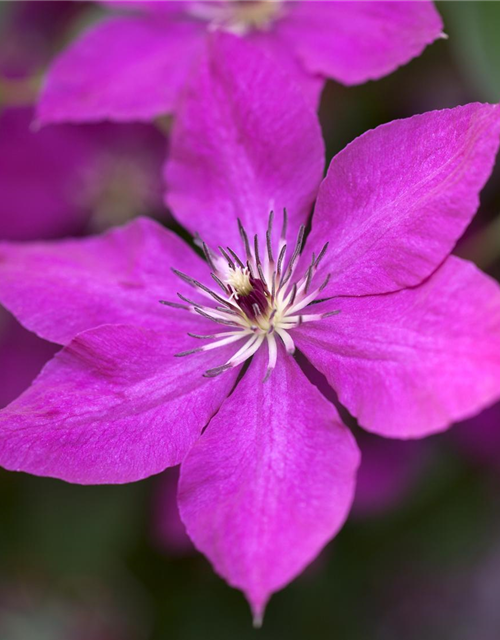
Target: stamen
<point>227,258</point>
<point>212,336</point>
<point>321,254</point>
<point>256,249</point>
<point>246,351</point>
<point>237,260</point>
<point>281,257</point>
<point>221,284</point>
<point>269,238</point>
<point>258,301</point>
<point>229,323</point>
<point>287,341</point>
<point>261,274</point>
<point>293,295</point>
<point>237,17</point>
<point>205,289</point>
<point>295,255</point>
<point>174,305</point>
<point>285,224</point>
<point>208,256</point>
<point>327,280</point>
<point>216,371</point>
<point>213,345</point>
<point>191,303</point>
<point>273,356</point>
<point>244,237</point>
<point>309,276</point>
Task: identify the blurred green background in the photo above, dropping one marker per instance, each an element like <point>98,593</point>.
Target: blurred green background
<point>87,563</point>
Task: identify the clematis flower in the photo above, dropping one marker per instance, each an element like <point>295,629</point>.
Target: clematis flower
<point>134,66</point>
<point>408,336</point>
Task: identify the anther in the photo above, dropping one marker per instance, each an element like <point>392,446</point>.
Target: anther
<point>244,237</point>
<point>258,301</point>
<point>227,258</point>
<point>321,254</point>
<point>285,224</point>
<point>236,259</point>
<point>174,305</point>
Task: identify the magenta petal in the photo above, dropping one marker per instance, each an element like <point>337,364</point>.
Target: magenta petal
<point>358,41</point>
<point>114,406</point>
<point>396,199</point>
<point>22,355</point>
<point>58,289</point>
<point>125,68</point>
<point>244,142</point>
<point>270,482</point>
<point>410,363</point>
<point>38,174</point>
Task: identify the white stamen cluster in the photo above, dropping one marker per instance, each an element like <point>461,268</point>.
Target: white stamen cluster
<point>259,301</point>
<point>237,16</point>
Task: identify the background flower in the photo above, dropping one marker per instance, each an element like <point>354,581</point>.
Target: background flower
<point>135,66</point>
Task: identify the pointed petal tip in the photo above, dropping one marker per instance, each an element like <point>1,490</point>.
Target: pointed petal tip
<point>257,621</point>
<point>258,611</point>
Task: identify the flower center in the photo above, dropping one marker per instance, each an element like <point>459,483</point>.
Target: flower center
<point>238,16</point>
<point>259,299</point>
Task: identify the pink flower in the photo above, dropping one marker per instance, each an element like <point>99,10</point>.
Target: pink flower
<point>134,66</point>
<point>408,336</point>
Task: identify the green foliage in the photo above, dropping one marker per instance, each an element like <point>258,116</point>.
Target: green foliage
<point>474,30</point>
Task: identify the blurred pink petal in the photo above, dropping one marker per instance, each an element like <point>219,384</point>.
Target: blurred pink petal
<point>125,68</point>
<point>353,42</point>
